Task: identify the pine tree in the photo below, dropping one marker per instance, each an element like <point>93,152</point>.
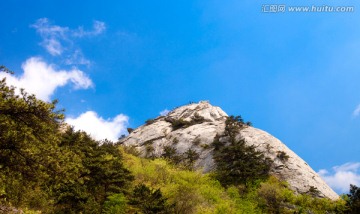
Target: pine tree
<point>148,201</point>
<point>354,199</point>
<point>236,162</point>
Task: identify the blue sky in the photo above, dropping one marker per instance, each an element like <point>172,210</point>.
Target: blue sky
<point>115,64</point>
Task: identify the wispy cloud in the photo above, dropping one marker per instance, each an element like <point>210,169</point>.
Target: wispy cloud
<point>42,79</point>
<point>342,176</point>
<point>77,57</point>
<point>51,35</point>
<point>98,127</point>
<point>53,46</point>
<point>164,112</point>
<point>356,112</point>
<point>98,28</point>
<point>58,40</point>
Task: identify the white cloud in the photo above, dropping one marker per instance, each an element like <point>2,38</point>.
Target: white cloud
<point>42,79</point>
<point>45,29</point>
<point>58,40</point>
<point>342,176</point>
<point>53,46</point>
<point>356,112</point>
<point>164,112</point>
<point>98,127</point>
<point>51,35</point>
<point>77,57</point>
<point>98,28</point>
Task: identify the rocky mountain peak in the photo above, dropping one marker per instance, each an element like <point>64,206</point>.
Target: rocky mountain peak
<point>193,128</point>
<point>203,109</point>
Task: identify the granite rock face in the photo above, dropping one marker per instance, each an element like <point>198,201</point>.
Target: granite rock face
<point>198,136</point>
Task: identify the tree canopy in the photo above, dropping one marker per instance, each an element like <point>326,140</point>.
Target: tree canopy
<point>39,154</point>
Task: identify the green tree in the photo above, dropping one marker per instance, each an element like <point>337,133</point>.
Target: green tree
<point>28,130</point>
<point>102,174</point>
<point>232,125</point>
<point>29,137</point>
<point>353,202</point>
<point>190,157</point>
<point>148,201</point>
<point>171,155</point>
<point>236,162</point>
<point>46,166</point>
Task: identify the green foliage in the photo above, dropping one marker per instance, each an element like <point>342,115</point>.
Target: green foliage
<point>102,174</point>
<point>197,119</point>
<point>185,160</point>
<point>193,192</point>
<point>314,191</point>
<point>276,197</point>
<point>48,168</point>
<point>148,201</point>
<point>205,146</point>
<point>186,199</point>
<point>246,199</point>
<point>233,125</point>
<point>238,163</point>
<point>25,119</point>
<point>169,152</point>
<point>181,123</point>
<point>29,138</point>
<point>272,196</point>
<point>177,124</point>
<point>171,155</point>
<point>190,157</point>
<point>131,150</point>
<point>353,201</point>
<point>188,191</point>
<point>282,156</point>
<point>115,204</point>
<point>5,70</point>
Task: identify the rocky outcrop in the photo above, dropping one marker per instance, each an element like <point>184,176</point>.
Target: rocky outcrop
<point>194,127</point>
